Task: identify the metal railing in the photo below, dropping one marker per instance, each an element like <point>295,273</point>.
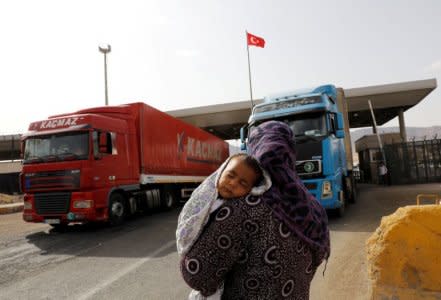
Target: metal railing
<point>434,197</point>
<point>414,162</point>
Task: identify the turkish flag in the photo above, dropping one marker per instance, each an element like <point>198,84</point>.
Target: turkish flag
<point>254,40</point>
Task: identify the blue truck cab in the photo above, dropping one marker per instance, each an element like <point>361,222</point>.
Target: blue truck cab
<point>318,118</point>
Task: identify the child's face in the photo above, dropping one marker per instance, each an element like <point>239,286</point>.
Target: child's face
<point>237,179</point>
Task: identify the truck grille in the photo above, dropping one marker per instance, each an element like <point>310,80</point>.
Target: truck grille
<point>50,180</point>
<point>52,203</point>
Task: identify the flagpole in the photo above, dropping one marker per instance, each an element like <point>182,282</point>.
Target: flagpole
<point>249,70</point>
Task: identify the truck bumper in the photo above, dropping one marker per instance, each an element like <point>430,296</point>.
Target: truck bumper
<point>315,187</point>
<point>38,213</point>
<point>71,217</point>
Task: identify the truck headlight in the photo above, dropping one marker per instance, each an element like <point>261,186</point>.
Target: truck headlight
<point>326,189</point>
<point>83,204</point>
<point>27,205</point>
<point>308,167</point>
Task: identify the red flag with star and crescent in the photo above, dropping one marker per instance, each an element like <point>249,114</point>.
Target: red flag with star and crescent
<point>254,40</point>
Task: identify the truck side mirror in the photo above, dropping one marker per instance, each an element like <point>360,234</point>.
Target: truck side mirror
<point>340,133</point>
<point>22,149</point>
<point>243,134</point>
<point>102,143</point>
<point>340,124</point>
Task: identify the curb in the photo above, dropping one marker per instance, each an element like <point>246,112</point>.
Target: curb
<point>11,208</point>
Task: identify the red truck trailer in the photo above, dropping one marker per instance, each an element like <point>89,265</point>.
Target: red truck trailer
<point>106,163</point>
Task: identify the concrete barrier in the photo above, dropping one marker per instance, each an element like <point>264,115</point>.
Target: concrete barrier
<point>10,166</point>
<point>404,254</point>
<point>11,208</point>
<point>11,203</point>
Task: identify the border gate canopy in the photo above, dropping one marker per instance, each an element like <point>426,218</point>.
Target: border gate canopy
<point>225,120</point>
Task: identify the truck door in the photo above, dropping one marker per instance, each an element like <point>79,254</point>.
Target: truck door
<point>104,152</point>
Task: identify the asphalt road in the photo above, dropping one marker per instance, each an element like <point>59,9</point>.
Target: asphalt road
<point>139,261</point>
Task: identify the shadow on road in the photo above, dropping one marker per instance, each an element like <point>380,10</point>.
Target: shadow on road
<point>137,237</point>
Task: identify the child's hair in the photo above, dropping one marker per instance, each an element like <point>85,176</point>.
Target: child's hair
<point>252,163</point>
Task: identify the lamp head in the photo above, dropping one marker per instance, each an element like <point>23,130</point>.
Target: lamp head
<point>104,48</point>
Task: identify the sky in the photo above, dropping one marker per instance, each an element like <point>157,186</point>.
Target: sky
<point>175,54</point>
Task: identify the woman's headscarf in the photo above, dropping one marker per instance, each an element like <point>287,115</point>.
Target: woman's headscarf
<point>272,144</point>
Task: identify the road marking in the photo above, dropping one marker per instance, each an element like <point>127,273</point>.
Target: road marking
<point>125,271</point>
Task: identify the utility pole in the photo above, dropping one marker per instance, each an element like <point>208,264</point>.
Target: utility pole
<point>105,48</point>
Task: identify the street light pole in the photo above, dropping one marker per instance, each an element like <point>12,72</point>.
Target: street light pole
<point>105,48</point>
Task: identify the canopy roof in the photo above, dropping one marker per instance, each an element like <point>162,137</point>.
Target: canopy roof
<point>225,120</point>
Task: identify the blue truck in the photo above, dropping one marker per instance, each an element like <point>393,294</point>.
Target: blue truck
<point>319,119</point>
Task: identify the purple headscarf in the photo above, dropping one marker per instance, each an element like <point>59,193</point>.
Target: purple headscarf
<point>272,144</point>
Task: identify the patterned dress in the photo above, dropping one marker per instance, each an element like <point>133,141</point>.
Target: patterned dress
<point>197,210</point>
<point>253,254</point>
<point>265,246</point>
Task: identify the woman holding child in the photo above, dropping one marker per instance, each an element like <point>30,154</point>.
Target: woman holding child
<point>252,230</point>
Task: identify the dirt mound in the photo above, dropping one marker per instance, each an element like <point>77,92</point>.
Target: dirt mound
<point>7,199</point>
<point>403,254</point>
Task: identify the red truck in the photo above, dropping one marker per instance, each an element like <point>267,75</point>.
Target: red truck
<point>106,163</point>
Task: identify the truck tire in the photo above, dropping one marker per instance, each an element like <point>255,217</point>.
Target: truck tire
<point>353,197</point>
<point>117,209</point>
<point>168,199</point>
<point>340,211</point>
<point>350,189</point>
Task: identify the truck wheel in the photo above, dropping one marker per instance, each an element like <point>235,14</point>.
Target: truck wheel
<point>117,209</point>
<point>340,212</point>
<point>350,189</point>
<point>353,198</point>
<point>167,199</point>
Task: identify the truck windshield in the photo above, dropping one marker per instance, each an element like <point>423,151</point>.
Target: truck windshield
<point>56,147</point>
<point>311,125</point>
<point>305,127</point>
